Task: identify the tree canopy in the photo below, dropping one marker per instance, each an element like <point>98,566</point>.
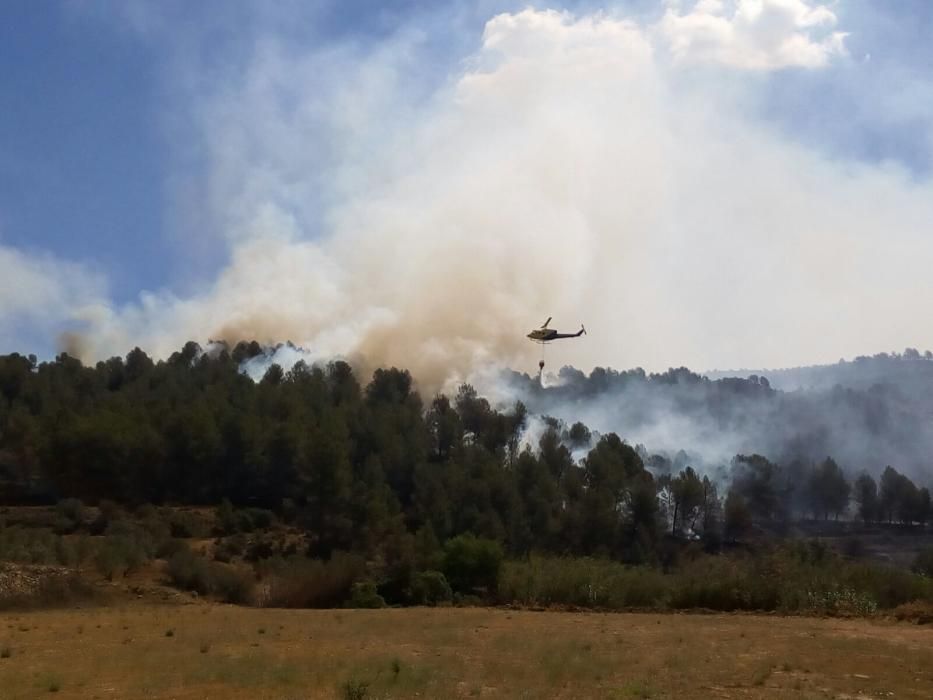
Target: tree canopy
<point>361,463</point>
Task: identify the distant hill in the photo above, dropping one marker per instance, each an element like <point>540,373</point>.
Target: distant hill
<point>910,371</point>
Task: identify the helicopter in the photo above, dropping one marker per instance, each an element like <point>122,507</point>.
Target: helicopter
<point>546,335</point>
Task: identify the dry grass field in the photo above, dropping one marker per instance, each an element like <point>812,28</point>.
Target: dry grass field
<point>209,651</point>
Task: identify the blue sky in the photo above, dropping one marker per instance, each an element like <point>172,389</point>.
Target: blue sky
<point>81,169</point>
<point>106,162</point>
<point>857,109</point>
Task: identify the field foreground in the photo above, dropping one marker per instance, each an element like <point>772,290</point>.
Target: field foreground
<point>210,651</point>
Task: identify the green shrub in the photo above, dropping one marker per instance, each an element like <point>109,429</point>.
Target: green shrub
<point>108,562</point>
<point>797,577</point>
<point>581,582</point>
<point>71,515</point>
<point>430,588</point>
<point>467,600</point>
<point>887,585</point>
<point>152,525</point>
<point>232,585</point>
<point>264,547</point>
<point>364,595</point>
<point>191,572</point>
<point>28,546</point>
<point>140,534</point>
<point>231,521</point>
<point>721,583</point>
<point>84,549</point>
<point>252,519</point>
<point>63,526</point>
<point>185,525</point>
<point>472,563</point>
<point>126,547</point>
<point>225,517</point>
<point>41,546</point>
<point>108,511</point>
<point>228,548</point>
<point>65,552</point>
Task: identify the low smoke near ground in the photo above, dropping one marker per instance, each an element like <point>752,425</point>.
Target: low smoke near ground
<point>866,414</point>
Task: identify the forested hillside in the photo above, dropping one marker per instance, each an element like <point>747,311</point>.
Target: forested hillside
<point>314,475</point>
<point>356,460</point>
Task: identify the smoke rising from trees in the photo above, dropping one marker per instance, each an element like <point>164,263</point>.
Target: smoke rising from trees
<point>866,414</point>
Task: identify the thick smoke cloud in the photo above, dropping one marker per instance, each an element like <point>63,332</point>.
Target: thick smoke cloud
<point>591,168</point>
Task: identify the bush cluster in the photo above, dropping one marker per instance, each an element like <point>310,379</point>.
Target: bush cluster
<point>192,572</point>
<point>364,595</point>
<point>472,564</point>
<point>232,520</point>
<point>299,582</point>
<point>50,588</point>
<point>581,582</point>
<point>918,611</point>
<point>784,580</point>
<point>31,546</point>
<point>430,588</point>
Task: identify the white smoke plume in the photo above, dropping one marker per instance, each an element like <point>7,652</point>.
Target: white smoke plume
<point>44,291</point>
<point>592,168</point>
<point>285,356</point>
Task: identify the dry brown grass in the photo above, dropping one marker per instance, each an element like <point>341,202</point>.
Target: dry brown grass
<point>228,652</point>
<point>919,611</point>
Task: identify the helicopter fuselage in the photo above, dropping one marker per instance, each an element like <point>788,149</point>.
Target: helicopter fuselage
<point>546,335</point>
